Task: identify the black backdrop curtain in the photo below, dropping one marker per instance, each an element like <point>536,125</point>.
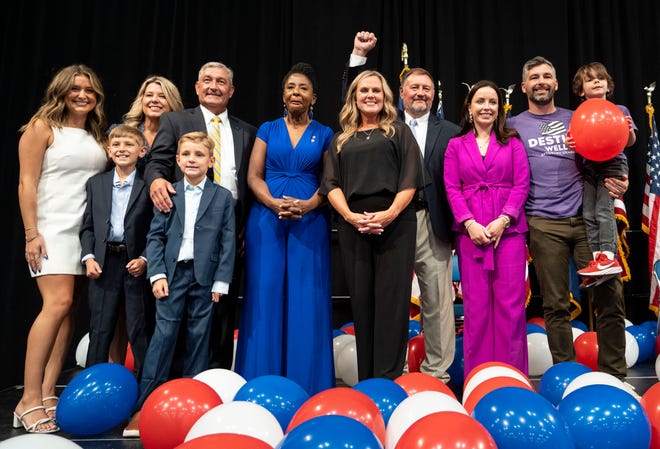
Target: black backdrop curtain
<point>457,40</point>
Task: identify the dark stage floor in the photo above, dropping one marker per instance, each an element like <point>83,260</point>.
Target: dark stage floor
<point>641,376</point>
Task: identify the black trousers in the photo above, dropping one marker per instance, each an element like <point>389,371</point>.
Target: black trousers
<point>378,270</point>
<point>107,294</point>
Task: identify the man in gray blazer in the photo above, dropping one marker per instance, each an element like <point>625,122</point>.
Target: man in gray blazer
<point>214,88</point>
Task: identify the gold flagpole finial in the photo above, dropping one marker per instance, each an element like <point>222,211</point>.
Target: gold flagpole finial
<point>649,105</point>
<point>404,59</point>
<point>507,96</point>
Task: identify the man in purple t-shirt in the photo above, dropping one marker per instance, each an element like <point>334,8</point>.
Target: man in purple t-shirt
<point>556,228</point>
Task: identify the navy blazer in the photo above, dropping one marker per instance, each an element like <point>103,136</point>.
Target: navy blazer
<point>96,218</point>
<point>161,160</point>
<point>437,137</point>
<point>214,241</point>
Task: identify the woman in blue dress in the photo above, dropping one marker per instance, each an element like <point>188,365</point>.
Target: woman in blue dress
<point>286,319</point>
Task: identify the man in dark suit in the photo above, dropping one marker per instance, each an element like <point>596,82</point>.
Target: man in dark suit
<point>113,236</point>
<point>433,255</point>
<point>214,88</point>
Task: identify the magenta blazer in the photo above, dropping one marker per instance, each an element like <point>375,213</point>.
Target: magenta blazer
<point>484,188</point>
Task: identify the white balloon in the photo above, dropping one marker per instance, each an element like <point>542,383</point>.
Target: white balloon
<point>538,354</point>
<point>490,372</point>
<point>657,367</point>
<point>632,350</point>
<point>347,364</point>
<point>414,408</point>
<point>338,344</point>
<point>225,382</point>
<point>38,440</point>
<point>576,332</point>
<point>592,378</point>
<point>241,417</point>
<point>81,351</point>
<point>627,322</point>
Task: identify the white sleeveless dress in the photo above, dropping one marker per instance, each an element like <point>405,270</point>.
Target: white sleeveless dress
<point>68,163</point>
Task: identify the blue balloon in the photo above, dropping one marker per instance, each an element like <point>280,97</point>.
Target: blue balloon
<point>97,399</point>
<point>414,328</point>
<point>386,393</point>
<point>645,340</point>
<point>535,328</point>
<point>603,416</point>
<point>280,396</point>
<point>330,431</point>
<point>554,381</point>
<point>455,273</point>
<point>651,325</point>
<point>516,418</point>
<point>350,323</point>
<point>455,371</point>
<point>580,325</point>
<point>337,332</point>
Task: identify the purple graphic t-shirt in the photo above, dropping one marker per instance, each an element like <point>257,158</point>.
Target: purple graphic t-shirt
<point>556,184</point>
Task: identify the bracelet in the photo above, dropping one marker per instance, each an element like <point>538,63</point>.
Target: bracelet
<point>29,239</point>
<point>506,220</point>
<point>29,228</point>
<point>471,223</point>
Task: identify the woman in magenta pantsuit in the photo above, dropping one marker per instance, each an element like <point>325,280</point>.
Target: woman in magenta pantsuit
<point>487,179</point>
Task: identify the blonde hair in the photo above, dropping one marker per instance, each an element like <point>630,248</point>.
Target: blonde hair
<point>350,118</point>
<point>128,131</point>
<point>53,110</point>
<point>198,137</point>
<point>135,115</point>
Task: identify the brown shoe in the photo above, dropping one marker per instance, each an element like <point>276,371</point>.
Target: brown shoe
<point>132,430</point>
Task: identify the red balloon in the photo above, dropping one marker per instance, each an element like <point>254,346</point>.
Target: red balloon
<point>586,349</point>
<point>651,404</point>
<point>489,385</point>
<point>446,430</point>
<point>485,365</point>
<point>416,353</point>
<point>349,329</point>
<point>129,363</point>
<point>345,402</point>
<point>537,320</point>
<point>416,382</point>
<point>218,440</point>
<point>599,129</point>
<point>171,410</point>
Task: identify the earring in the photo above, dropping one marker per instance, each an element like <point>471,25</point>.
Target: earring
<point>470,117</point>
<point>284,112</point>
<point>311,112</point>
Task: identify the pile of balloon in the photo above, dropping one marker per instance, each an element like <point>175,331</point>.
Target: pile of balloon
<point>569,405</point>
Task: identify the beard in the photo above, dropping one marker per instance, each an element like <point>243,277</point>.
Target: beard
<point>542,99</point>
<point>417,108</point>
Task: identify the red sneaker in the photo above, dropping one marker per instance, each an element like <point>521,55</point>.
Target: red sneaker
<point>601,266</point>
<point>592,281</point>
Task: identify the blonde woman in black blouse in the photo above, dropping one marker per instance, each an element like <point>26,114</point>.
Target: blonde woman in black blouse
<point>370,177</point>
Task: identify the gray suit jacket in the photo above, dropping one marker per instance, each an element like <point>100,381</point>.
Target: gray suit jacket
<point>96,218</point>
<point>214,241</point>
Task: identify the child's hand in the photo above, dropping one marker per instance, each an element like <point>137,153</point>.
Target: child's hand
<point>93,268</point>
<point>160,289</point>
<point>570,142</point>
<point>215,297</point>
<point>136,267</point>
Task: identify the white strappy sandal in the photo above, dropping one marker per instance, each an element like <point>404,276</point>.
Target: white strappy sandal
<point>32,428</point>
<point>52,409</point>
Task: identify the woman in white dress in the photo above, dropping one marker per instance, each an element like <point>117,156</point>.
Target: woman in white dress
<point>60,148</point>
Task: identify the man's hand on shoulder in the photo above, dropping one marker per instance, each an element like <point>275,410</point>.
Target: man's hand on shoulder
<point>363,43</point>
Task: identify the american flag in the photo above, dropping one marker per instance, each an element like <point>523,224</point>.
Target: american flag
<point>651,207</point>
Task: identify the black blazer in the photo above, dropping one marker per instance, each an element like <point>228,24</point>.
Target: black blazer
<point>161,162</point>
<point>437,137</point>
<point>96,218</point>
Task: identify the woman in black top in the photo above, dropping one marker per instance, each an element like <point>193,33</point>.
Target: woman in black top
<point>370,177</point>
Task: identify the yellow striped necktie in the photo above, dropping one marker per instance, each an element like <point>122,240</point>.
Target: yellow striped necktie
<point>215,135</point>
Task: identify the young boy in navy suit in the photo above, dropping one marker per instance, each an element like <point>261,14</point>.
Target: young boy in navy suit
<point>113,236</point>
<point>191,253</point>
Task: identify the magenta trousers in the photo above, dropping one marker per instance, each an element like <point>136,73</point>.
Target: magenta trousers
<point>494,302</point>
